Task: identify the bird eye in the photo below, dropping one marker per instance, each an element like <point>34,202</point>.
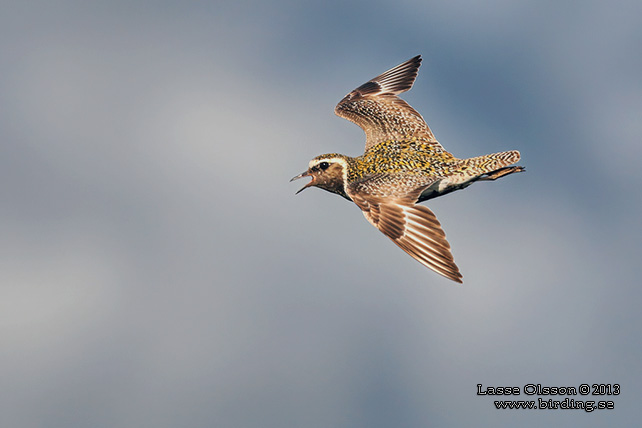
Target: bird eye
<point>324,165</point>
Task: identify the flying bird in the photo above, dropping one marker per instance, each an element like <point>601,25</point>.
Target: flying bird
<point>403,165</point>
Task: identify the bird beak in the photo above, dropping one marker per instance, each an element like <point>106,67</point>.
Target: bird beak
<point>303,174</point>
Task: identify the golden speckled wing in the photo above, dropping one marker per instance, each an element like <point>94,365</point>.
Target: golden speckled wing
<point>382,115</point>
<point>415,229</point>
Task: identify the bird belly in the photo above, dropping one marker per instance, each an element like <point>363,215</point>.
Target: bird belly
<point>446,185</point>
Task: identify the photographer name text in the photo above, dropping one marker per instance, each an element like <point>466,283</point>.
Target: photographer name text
<point>538,389</point>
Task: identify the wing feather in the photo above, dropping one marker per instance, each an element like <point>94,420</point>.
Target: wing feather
<point>414,229</point>
<point>383,116</point>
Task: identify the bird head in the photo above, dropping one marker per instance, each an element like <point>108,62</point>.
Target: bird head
<point>329,172</point>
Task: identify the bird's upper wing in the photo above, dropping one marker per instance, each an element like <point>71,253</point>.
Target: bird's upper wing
<point>415,229</point>
<point>377,109</point>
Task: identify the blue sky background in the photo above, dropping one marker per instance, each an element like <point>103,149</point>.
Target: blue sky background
<point>157,270</point>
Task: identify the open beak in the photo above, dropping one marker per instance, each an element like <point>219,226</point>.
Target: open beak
<point>303,174</point>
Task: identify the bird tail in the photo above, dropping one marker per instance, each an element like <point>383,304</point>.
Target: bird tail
<point>467,171</point>
<point>491,165</point>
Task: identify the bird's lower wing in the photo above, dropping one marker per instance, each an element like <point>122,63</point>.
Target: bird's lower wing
<point>416,230</point>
